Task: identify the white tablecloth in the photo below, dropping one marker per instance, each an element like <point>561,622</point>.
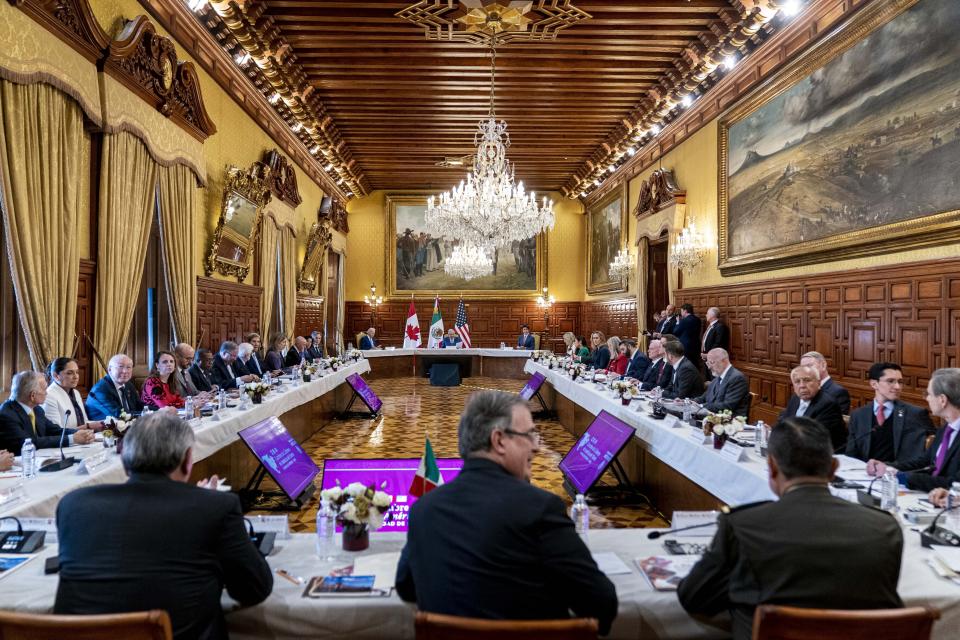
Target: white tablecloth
<point>44,492</point>
<point>668,440</point>
<point>643,613</point>
<point>486,353</point>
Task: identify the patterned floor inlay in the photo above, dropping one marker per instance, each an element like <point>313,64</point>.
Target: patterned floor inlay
<point>412,409</point>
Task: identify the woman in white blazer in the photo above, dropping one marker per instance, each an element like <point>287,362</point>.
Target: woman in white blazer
<point>65,374</point>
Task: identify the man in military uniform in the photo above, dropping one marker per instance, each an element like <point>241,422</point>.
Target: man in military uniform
<point>809,549</point>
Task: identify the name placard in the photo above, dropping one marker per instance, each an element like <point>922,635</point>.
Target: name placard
<point>91,463</point>
<point>279,525</point>
<point>697,436</point>
<point>733,452</point>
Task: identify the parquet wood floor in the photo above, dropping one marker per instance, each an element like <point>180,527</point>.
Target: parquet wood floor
<point>412,409</point>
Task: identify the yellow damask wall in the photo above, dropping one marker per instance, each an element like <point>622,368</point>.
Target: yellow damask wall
<point>695,165</point>
<point>365,246</point>
<point>239,141</point>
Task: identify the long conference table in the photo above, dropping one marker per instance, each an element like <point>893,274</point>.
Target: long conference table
<point>643,612</point>
<point>303,408</point>
<point>494,363</point>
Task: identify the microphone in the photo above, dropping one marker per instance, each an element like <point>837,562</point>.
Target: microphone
<point>938,535</point>
<point>64,462</point>
<point>653,535</point>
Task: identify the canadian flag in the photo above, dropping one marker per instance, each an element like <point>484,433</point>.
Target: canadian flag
<point>411,334</point>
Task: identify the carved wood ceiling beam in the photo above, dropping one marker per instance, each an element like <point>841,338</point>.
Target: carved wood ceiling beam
<point>261,39</point>
<point>697,68</point>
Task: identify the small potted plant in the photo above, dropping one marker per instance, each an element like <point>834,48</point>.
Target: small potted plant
<point>360,509</point>
<point>256,391</point>
<point>722,425</point>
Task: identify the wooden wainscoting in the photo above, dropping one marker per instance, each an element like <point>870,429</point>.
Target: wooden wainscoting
<point>612,317</point>
<point>906,314</point>
<point>309,315</point>
<point>226,310</point>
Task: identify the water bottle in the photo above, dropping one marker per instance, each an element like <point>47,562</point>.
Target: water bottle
<point>326,530</point>
<point>188,408</point>
<point>687,411</point>
<point>888,491</point>
<point>580,514</point>
<point>761,438</point>
<point>28,459</point>
<point>222,400</point>
<point>267,379</point>
<point>953,506</point>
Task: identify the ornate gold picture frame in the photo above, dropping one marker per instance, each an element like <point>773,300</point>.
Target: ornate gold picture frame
<point>414,259</point>
<point>245,194</point>
<point>606,235</point>
<point>848,151</point>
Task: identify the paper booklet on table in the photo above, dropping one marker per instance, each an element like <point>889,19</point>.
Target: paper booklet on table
<point>10,563</point>
<point>664,573</point>
<point>343,586</point>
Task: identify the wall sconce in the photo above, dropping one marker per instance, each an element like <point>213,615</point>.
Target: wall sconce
<point>373,300</point>
<point>689,248</point>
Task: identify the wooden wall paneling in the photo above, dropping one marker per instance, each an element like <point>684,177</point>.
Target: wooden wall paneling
<point>309,315</point>
<point>908,314</point>
<point>612,317</point>
<point>226,311</point>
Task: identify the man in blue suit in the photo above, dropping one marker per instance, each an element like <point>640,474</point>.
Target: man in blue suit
<point>451,340</point>
<point>525,341</point>
<point>639,362</point>
<point>368,341</point>
<point>687,332</point>
<point>114,392</point>
<point>22,417</point>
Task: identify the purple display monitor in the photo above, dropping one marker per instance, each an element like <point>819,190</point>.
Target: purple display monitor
<point>365,392</point>
<point>397,473</point>
<point>280,454</point>
<point>533,385</point>
<point>595,450</point>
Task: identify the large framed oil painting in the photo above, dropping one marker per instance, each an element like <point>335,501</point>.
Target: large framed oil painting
<point>852,150</point>
<point>606,232</point>
<point>415,259</point>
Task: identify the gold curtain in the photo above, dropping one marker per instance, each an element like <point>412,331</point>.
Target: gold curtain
<point>643,282</point>
<point>44,164</point>
<point>288,285</point>
<point>177,187</point>
<point>268,274</point>
<point>128,181</point>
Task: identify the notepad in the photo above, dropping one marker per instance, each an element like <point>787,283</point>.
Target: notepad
<point>610,563</point>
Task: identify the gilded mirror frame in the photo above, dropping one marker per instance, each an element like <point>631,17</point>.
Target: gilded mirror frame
<point>317,243</point>
<point>250,185</point>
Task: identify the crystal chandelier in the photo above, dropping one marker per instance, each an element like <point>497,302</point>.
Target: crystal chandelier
<point>468,262</point>
<point>689,248</point>
<point>621,265</point>
<point>489,209</point>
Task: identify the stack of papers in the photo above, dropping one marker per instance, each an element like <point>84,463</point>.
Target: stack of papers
<point>664,573</point>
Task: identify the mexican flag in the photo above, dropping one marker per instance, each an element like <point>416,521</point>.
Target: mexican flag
<point>411,334</point>
<point>436,326</point>
<point>428,475</point>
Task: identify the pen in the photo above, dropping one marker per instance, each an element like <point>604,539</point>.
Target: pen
<point>294,579</point>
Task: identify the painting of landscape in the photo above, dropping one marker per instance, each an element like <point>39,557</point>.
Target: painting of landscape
<point>420,256</point>
<point>869,139</point>
<point>606,227</point>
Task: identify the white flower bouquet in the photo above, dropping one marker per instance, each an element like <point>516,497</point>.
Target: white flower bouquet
<point>358,504</point>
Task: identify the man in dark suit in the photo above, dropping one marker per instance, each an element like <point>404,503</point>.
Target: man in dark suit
<point>297,353</point>
<point>114,392</point>
<point>525,340</point>
<point>202,371</point>
<point>810,401</point>
<point>451,340</point>
<point>808,549</point>
<point>369,341</point>
<point>119,552</point>
<point>818,363</point>
<point>729,388</point>
<point>226,374</point>
<point>639,362</point>
<point>887,429</point>
<point>22,417</point>
<point>668,320</point>
<point>938,466</point>
<point>686,381</point>
<point>716,336</point>
<point>659,373</point>
<point>522,563</point>
<point>687,332</point>
<point>315,348</point>
<point>254,364</point>
<point>183,353</point>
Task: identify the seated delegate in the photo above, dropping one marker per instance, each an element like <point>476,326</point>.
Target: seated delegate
<point>62,396</point>
<point>451,340</point>
<point>22,417</point>
<point>525,340</point>
<point>114,393</point>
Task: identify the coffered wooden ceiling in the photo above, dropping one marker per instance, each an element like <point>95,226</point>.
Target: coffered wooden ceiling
<point>403,103</point>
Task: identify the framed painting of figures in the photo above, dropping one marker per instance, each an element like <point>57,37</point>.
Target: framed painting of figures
<point>853,149</point>
<point>606,231</point>
<point>415,256</point>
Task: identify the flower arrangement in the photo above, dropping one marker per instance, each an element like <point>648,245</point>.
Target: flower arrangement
<point>334,362</point>
<point>576,370</point>
<point>256,390</point>
<point>116,428</point>
<point>624,388</point>
<point>354,354</point>
<point>722,425</point>
<point>359,508</point>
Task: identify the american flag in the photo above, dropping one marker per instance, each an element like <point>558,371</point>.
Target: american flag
<point>461,326</point>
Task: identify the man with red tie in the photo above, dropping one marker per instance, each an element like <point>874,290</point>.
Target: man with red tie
<point>938,466</point>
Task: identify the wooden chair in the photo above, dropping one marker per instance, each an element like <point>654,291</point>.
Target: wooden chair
<point>536,341</point>
<point>750,404</point>
<point>142,625</point>
<point>791,623</point>
<point>436,626</point>
<point>359,338</point>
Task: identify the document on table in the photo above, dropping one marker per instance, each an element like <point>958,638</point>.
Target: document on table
<point>610,563</point>
<point>381,565</point>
